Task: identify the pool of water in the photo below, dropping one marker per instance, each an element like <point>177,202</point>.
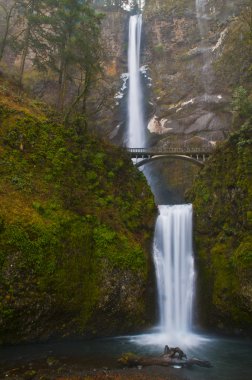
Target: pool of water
<point>231,358</point>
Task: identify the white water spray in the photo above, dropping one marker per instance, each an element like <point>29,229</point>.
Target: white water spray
<point>173,257</point>
<point>202,17</point>
<point>136,133</point>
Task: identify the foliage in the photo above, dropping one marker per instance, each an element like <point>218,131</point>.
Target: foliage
<point>222,199</point>
<point>242,106</point>
<point>59,37</point>
<point>7,9</point>
<point>72,208</point>
<point>233,66</point>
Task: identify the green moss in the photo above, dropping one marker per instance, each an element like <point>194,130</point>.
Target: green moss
<point>233,65</point>
<point>73,208</point>
<point>119,250</point>
<point>222,201</point>
<point>242,258</point>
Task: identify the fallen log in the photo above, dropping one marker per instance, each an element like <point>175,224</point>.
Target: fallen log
<point>165,360</point>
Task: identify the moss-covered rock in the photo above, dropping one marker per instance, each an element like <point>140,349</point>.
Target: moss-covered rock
<point>76,221</point>
<point>222,198</point>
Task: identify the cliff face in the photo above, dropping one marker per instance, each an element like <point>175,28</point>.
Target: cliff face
<point>188,53</point>
<point>76,224</point>
<point>108,98</point>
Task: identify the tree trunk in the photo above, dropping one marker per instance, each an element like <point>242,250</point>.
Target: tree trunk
<point>23,57</point>
<point>62,86</point>
<point>7,28</point>
<point>26,44</point>
<point>166,360</point>
<point>82,95</point>
<point>85,92</point>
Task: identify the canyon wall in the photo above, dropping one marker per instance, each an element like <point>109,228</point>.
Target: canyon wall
<point>193,72</point>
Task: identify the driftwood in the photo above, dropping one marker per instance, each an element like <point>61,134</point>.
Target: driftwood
<point>171,357</point>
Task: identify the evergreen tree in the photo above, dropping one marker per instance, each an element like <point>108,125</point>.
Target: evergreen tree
<point>62,36</point>
<point>75,49</point>
<point>29,38</point>
<point>8,9</point>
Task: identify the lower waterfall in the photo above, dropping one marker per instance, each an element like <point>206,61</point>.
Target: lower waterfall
<point>174,264</point>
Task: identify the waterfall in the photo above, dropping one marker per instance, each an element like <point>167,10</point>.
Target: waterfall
<point>202,17</point>
<point>136,133</point>
<point>173,234</point>
<point>173,257</point>
<point>207,70</point>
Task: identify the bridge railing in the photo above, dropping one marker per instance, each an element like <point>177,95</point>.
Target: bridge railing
<point>172,149</point>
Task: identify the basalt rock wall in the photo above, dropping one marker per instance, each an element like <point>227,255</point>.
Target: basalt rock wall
<point>107,100</point>
<point>187,52</point>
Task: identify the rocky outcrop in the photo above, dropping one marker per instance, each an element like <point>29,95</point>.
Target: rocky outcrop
<point>105,104</point>
<point>185,43</point>
<point>195,117</point>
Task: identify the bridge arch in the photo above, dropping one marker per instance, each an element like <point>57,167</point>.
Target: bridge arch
<point>145,161</point>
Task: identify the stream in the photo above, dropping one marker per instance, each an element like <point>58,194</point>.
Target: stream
<point>231,358</point>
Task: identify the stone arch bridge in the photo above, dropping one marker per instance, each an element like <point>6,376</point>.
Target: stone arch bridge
<point>196,155</point>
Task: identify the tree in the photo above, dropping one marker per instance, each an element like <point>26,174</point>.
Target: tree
<point>8,9</point>
<point>241,103</point>
<point>61,37</point>
<point>29,8</point>
<point>75,49</point>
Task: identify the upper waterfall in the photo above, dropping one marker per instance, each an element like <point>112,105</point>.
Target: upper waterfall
<point>202,17</point>
<point>203,25</point>
<point>136,133</point>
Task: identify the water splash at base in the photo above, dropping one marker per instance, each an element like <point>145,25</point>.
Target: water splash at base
<point>174,264</point>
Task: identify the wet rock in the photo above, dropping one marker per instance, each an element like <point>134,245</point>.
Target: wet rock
<point>158,126</point>
<point>51,361</point>
<point>30,374</point>
<point>195,52</point>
